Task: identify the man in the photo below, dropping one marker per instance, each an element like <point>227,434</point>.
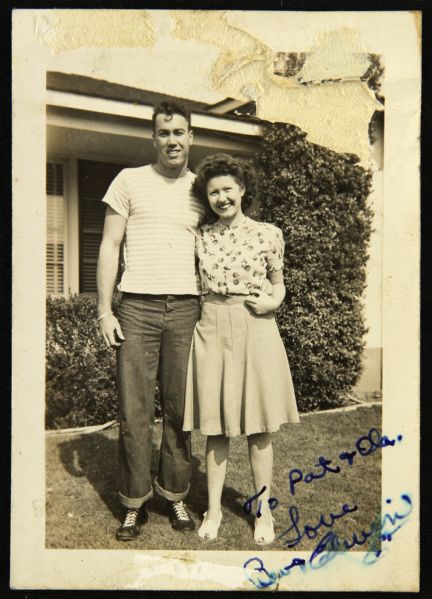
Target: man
<point>152,211</point>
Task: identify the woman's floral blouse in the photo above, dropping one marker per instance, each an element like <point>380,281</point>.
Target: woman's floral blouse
<point>235,259</point>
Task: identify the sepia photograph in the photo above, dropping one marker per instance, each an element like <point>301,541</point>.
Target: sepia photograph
<point>218,227</point>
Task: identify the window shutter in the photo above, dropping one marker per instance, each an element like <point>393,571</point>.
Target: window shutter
<point>94,179</point>
<point>55,229</point>
<point>54,179</point>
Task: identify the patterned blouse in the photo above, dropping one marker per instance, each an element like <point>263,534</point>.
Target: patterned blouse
<point>235,259</point>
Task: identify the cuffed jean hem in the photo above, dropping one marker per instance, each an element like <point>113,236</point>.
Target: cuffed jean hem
<point>134,502</point>
<point>168,494</point>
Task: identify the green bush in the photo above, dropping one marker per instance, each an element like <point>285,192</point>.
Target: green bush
<point>319,199</point>
<point>80,369</point>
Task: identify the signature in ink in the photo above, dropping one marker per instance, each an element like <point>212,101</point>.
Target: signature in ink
<point>263,578</point>
<point>390,524</point>
<point>365,445</point>
<point>309,531</point>
<point>331,546</point>
<point>378,531</point>
<point>247,506</point>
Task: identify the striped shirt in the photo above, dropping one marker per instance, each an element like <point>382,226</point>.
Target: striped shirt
<point>162,217</point>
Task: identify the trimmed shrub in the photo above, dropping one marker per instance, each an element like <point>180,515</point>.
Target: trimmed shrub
<point>319,199</point>
<point>80,369</point>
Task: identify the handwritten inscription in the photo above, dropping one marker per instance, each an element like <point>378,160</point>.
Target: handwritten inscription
<point>365,445</point>
<point>310,531</point>
<point>383,531</point>
<point>331,546</point>
<point>262,578</point>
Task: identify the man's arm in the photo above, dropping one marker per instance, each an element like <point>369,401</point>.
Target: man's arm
<point>113,233</point>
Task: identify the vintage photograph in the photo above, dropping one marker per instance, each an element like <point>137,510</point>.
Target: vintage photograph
<point>213,363</point>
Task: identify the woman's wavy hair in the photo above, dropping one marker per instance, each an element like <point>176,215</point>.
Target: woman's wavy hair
<point>217,165</point>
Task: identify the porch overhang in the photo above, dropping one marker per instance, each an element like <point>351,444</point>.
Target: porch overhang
<point>200,120</point>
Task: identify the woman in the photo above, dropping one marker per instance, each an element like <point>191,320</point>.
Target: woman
<point>239,380</point>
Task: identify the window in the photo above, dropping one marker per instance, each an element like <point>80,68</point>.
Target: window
<point>94,179</point>
<point>55,229</point>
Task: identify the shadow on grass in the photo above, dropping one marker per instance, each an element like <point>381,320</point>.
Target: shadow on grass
<point>95,457</point>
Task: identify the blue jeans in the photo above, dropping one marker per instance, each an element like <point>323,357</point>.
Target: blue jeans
<point>158,332</point>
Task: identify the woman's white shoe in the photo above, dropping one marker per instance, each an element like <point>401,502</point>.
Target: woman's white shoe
<point>264,533</point>
<point>209,530</point>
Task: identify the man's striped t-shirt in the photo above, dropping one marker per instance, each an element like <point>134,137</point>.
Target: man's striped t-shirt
<point>162,216</point>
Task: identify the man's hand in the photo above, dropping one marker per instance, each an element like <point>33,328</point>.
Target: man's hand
<point>267,287</point>
<point>261,303</point>
<point>111,331</point>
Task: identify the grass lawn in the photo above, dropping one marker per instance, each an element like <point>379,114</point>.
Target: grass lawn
<point>82,510</point>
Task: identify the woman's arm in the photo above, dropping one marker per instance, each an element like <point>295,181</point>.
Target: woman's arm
<point>263,303</point>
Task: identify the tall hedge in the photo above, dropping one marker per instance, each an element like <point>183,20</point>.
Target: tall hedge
<point>80,369</point>
<point>319,199</point>
<point>80,380</point>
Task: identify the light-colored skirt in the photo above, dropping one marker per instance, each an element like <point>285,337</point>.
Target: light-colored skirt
<point>239,380</point>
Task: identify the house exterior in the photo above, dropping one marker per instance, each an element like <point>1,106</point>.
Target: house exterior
<point>95,128</point>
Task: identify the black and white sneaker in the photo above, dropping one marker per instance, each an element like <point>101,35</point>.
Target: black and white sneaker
<point>179,516</point>
<point>131,526</point>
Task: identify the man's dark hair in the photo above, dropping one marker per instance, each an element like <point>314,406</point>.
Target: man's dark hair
<point>170,108</point>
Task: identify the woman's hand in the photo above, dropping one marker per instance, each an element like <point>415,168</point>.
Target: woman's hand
<point>261,303</point>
